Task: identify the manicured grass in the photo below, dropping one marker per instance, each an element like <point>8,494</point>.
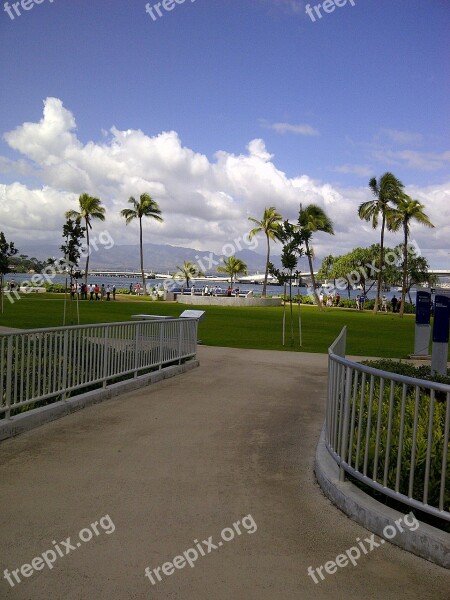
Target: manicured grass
<point>384,335</point>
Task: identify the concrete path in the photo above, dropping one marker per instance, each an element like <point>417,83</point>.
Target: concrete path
<point>181,461</point>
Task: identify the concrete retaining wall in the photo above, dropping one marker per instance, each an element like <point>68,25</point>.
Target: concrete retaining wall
<point>426,541</point>
<point>225,301</point>
<point>34,418</point>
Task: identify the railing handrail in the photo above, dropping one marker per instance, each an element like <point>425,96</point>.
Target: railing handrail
<point>38,365</point>
<point>442,387</point>
<point>90,325</point>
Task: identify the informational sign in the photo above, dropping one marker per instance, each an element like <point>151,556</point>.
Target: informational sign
<point>193,314</point>
<point>423,307</point>
<point>441,319</point>
<point>423,328</point>
<point>440,332</point>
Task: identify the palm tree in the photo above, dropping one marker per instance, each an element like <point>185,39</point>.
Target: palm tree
<point>270,225</point>
<point>145,207</point>
<point>312,219</point>
<point>188,271</point>
<point>233,267</point>
<point>406,211</point>
<point>387,189</point>
<point>90,208</point>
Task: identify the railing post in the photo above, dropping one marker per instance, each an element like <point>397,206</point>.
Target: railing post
<point>161,337</point>
<point>136,349</point>
<point>64,365</point>
<point>345,423</point>
<point>8,377</point>
<point>180,339</point>
<point>105,354</point>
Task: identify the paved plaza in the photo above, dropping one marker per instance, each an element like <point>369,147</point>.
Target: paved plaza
<point>182,461</point>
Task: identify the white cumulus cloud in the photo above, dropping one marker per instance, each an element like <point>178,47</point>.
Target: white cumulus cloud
<point>205,203</point>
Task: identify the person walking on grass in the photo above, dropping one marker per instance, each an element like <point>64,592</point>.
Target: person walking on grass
<point>394,303</point>
<point>362,299</point>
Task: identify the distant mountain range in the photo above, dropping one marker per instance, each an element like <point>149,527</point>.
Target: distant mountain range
<point>159,258</point>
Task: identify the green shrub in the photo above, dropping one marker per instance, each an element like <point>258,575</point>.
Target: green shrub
<point>56,288</point>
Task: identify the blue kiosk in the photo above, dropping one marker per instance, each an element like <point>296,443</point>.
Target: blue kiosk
<point>440,332</point>
<point>423,315</point>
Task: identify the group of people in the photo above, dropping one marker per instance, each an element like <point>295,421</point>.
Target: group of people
<point>211,291</point>
<point>395,303</point>
<point>93,291</point>
<point>216,291</point>
<point>329,300</point>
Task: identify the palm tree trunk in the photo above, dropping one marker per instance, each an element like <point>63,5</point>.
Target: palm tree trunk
<point>290,305</point>
<point>405,270</point>
<point>264,290</point>
<point>86,270</point>
<point>313,279</point>
<point>380,274</point>
<point>144,289</point>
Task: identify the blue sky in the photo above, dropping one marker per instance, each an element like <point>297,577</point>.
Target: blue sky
<point>219,109</point>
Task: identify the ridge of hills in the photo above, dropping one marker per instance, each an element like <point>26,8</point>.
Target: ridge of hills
<point>158,258</point>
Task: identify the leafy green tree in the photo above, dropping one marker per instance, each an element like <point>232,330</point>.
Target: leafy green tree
<point>144,207</point>
<point>292,250</point>
<point>387,193</point>
<point>7,250</point>
<point>407,210</point>
<point>417,273</point>
<point>326,268</point>
<point>312,219</point>
<point>24,264</point>
<point>270,226</point>
<point>359,267</point>
<point>89,208</point>
<point>233,267</point>
<point>73,234</point>
<point>188,271</point>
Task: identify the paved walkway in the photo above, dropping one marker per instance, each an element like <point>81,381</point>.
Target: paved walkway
<point>180,461</point>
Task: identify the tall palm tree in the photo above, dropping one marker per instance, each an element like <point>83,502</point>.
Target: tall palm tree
<point>270,225</point>
<point>407,210</point>
<point>311,219</point>
<point>233,267</point>
<point>188,271</point>
<point>387,190</point>
<point>90,208</point>
<point>145,207</point>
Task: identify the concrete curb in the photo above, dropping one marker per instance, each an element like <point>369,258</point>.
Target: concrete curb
<point>426,541</point>
<point>29,420</point>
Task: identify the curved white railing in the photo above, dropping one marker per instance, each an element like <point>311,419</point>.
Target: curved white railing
<point>44,365</point>
<point>389,431</point>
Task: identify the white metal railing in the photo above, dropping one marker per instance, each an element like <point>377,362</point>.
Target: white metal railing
<point>389,431</point>
<point>39,366</point>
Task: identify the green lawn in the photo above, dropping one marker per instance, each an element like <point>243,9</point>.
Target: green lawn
<point>384,335</point>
